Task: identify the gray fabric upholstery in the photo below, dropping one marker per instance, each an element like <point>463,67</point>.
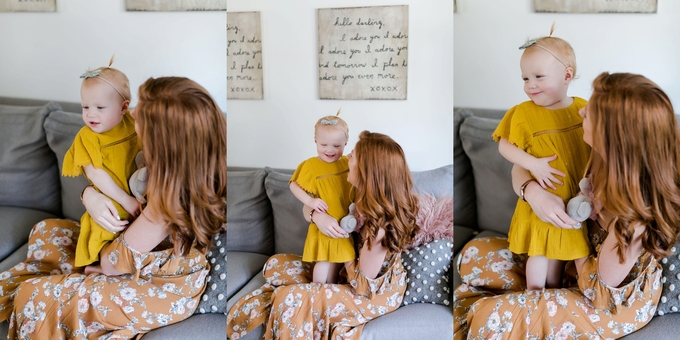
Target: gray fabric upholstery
<point>436,182</point>
<point>241,268</point>
<point>660,328</point>
<point>16,224</point>
<point>61,129</point>
<point>28,169</point>
<point>417,321</point>
<point>290,226</point>
<point>427,273</point>
<point>199,326</point>
<point>249,213</point>
<point>17,256</point>
<point>493,182</point>
<point>464,207</point>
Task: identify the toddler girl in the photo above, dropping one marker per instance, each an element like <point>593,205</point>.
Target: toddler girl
<point>104,150</point>
<point>321,184</point>
<point>547,129</point>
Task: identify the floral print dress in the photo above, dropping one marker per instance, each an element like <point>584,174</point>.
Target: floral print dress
<point>492,301</point>
<point>46,297</point>
<point>296,308</point>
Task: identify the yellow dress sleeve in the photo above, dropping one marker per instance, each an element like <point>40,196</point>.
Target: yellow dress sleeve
<point>84,151</point>
<point>305,178</point>
<point>515,128</point>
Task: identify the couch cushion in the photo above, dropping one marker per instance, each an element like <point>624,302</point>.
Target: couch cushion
<point>437,182</point>
<point>241,268</point>
<point>427,273</point>
<point>465,208</point>
<point>205,327</point>
<point>29,175</point>
<point>214,299</point>
<point>60,129</point>
<point>16,223</point>
<point>249,214</point>
<point>493,181</point>
<point>290,227</point>
<point>418,321</point>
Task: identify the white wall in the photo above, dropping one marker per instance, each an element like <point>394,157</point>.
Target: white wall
<point>487,34</point>
<point>278,131</point>
<point>42,55</point>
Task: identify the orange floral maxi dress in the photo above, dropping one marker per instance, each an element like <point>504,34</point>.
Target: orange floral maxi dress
<point>492,301</point>
<point>46,297</point>
<point>296,308</point>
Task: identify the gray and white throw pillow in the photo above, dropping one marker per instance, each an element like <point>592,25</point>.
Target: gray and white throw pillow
<point>427,273</point>
<point>670,280</point>
<point>214,298</point>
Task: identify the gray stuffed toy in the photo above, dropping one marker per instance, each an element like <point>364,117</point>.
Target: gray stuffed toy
<point>580,207</point>
<point>349,222</point>
<point>138,180</point>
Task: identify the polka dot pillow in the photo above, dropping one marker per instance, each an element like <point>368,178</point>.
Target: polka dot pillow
<point>427,273</point>
<point>670,280</point>
<point>214,299</point>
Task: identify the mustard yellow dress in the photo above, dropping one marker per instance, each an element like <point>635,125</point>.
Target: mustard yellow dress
<point>327,181</point>
<point>114,151</point>
<point>541,133</point>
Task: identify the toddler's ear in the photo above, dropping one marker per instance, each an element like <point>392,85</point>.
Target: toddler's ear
<point>126,104</point>
<point>568,74</point>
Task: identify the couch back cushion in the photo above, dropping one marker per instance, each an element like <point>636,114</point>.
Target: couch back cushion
<point>249,214</point>
<point>492,179</point>
<point>464,204</point>
<point>61,128</point>
<point>290,226</point>
<point>29,175</point>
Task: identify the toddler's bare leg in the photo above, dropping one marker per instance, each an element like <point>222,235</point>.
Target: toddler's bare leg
<point>321,271</point>
<point>554,277</point>
<point>93,269</point>
<point>333,271</point>
<point>537,271</point>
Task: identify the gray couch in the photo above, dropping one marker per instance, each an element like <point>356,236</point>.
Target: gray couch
<point>264,218</point>
<point>34,136</point>
<point>484,200</point>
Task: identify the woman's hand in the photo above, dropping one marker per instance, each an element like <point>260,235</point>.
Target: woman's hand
<point>326,223</point>
<point>548,207</point>
<point>102,210</point>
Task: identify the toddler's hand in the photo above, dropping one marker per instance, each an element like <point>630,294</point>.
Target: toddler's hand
<point>545,174</point>
<point>131,205</point>
<point>318,204</point>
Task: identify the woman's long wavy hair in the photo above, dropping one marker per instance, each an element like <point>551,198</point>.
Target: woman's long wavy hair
<point>384,190</point>
<point>636,160</point>
<point>184,139</point>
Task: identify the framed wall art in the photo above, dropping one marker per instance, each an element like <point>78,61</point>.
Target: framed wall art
<point>175,5</point>
<point>244,56</point>
<point>28,6</point>
<point>595,6</point>
<point>363,52</point>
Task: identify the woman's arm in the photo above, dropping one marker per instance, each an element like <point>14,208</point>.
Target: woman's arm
<point>143,235</point>
<point>612,272</point>
<point>370,261</point>
<point>105,183</point>
<point>102,210</point>
<point>546,205</point>
<point>326,223</point>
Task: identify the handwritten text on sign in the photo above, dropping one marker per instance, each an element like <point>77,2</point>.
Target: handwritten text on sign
<point>363,52</point>
<point>244,56</point>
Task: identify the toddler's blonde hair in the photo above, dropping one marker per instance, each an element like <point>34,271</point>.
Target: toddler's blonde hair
<point>333,121</point>
<point>558,47</point>
<point>114,77</point>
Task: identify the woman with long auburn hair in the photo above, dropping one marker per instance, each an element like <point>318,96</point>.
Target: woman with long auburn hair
<point>630,124</point>
<point>373,284</point>
<point>153,273</point>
